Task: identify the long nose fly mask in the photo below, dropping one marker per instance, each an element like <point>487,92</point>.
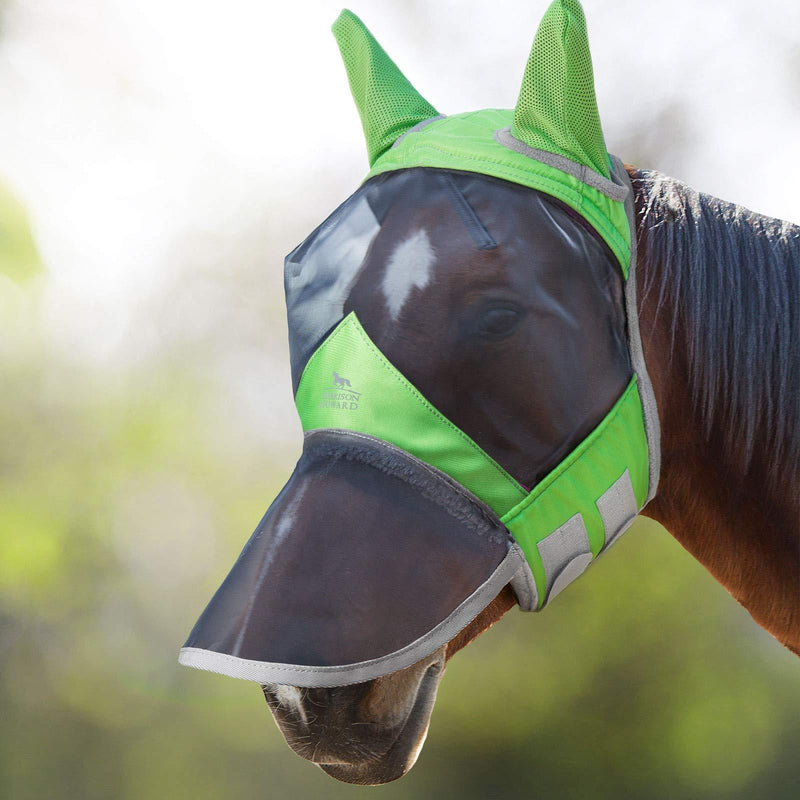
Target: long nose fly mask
<point>397,528</point>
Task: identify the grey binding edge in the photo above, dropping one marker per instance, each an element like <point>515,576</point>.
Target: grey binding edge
<point>613,189</point>
<point>322,677</point>
<point>523,584</point>
<point>652,426</point>
<point>418,127</point>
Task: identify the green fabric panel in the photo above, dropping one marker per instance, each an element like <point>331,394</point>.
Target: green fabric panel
<point>557,106</point>
<point>349,384</point>
<point>466,142</point>
<point>380,402</point>
<point>387,103</point>
<point>618,443</point>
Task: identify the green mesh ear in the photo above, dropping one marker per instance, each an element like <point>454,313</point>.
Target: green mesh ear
<point>557,107</point>
<point>388,104</point>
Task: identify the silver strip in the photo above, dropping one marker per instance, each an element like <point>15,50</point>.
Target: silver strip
<point>560,549</point>
<point>652,426</point>
<point>317,677</point>
<point>616,191</point>
<point>617,507</point>
<point>418,127</point>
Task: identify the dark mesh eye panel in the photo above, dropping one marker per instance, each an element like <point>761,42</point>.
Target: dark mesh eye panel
<point>364,551</point>
<point>319,274</point>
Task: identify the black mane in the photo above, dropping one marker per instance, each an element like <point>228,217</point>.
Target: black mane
<point>732,278</point>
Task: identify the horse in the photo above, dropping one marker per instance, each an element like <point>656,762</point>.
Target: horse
<point>719,312</point>
<point>503,305</point>
<point>719,307</point>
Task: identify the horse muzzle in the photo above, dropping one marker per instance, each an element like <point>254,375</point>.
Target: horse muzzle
<point>366,733</point>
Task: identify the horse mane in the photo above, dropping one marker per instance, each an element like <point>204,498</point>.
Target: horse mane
<point>732,279</point>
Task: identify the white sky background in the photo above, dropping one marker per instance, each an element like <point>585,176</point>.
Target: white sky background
<point>164,147</point>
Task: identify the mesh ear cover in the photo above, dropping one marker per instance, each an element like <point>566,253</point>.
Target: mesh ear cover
<point>388,104</point>
<point>557,106</point>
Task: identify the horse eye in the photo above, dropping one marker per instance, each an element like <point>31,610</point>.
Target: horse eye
<point>499,322</point>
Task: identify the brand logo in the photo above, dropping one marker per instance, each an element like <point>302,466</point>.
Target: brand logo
<point>340,395</point>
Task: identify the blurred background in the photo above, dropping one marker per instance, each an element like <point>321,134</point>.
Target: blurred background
<point>158,158</point>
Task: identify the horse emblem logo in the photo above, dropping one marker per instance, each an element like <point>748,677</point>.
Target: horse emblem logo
<point>340,395</point>
<point>338,380</point>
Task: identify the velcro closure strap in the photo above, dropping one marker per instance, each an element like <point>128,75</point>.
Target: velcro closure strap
<point>617,508</point>
<point>574,514</point>
<point>565,554</point>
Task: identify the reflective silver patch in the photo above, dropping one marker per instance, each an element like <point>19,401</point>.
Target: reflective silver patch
<point>565,554</point>
<point>617,507</point>
<point>409,267</point>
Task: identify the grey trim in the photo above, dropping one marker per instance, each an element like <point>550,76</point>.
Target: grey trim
<point>612,189</point>
<point>313,677</point>
<point>565,554</point>
<point>617,507</point>
<point>418,127</point>
<point>652,426</point>
<point>437,474</point>
<point>524,587</point>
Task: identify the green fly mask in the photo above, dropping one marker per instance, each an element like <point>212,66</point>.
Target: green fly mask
<point>480,281</point>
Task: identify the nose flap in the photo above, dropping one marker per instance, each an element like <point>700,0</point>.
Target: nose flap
<point>366,562</point>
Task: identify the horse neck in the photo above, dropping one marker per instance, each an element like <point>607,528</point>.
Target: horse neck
<point>738,516</point>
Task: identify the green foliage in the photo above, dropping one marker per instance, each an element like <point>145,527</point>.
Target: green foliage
<point>19,258</point>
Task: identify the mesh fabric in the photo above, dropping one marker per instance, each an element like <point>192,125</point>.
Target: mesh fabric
<point>387,103</point>
<point>327,583</point>
<point>557,107</point>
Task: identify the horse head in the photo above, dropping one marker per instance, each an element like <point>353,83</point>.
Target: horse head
<point>471,312</point>
<point>521,345</point>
